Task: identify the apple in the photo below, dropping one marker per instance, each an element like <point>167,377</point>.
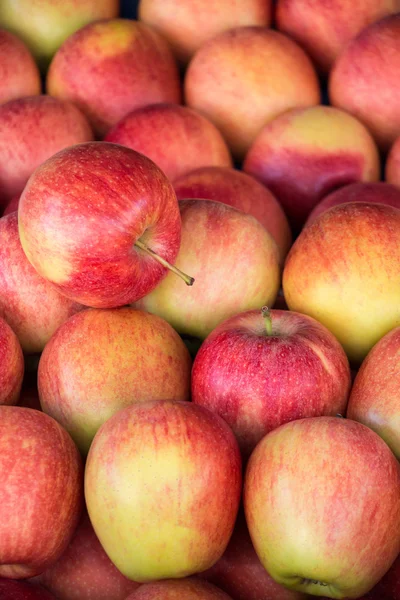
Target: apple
<point>30,304</point>
<point>194,21</point>
<point>163,482</point>
<point>242,78</point>
<point>262,368</point>
<point>343,269</point>
<point>322,503</point>
<point>364,80</point>
<point>305,153</point>
<point>234,261</point>
<point>41,493</point>
<point>11,365</point>
<point>32,130</point>
<point>11,206</point>
<point>110,67</point>
<point>388,588</point>
<point>241,191</point>
<point>11,589</point>
<point>143,357</point>
<point>45,25</point>
<point>84,571</point>
<point>171,589</point>
<point>19,73</point>
<point>392,167</point>
<point>100,222</point>
<point>324,28</point>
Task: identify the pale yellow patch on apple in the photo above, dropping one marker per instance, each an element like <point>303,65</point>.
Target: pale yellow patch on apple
<point>109,39</point>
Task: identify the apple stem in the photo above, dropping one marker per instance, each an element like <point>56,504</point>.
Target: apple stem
<point>186,278</point>
<point>266,314</point>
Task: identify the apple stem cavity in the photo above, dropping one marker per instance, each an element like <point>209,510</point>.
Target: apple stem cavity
<point>266,314</point>
<point>186,278</point>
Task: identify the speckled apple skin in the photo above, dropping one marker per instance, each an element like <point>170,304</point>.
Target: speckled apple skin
<point>19,74</point>
<point>11,365</point>
<point>188,588</point>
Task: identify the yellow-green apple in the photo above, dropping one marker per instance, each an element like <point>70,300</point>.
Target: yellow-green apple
<point>262,368</point>
<point>187,588</point>
<point>234,260</point>
<point>392,167</point>
<point>45,25</point>
<point>241,191</point>
<point>245,77</point>
<point>41,492</point>
<point>322,503</point>
<point>194,21</point>
<point>324,28</point>
<point>374,398</point>
<point>30,304</point>
<point>84,571</point>
<point>11,589</point>
<point>102,360</point>
<point>380,192</point>
<point>306,153</point>
<point>19,74</point>
<point>364,80</point>
<point>11,365</point>
<point>162,131</point>
<point>100,222</point>
<point>343,270</point>
<point>32,130</point>
<point>111,67</point>
<point>163,481</point>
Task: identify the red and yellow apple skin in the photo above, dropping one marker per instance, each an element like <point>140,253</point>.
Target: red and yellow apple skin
<point>102,360</point>
<point>392,167</point>
<point>374,398</point>
<point>41,493</point>
<point>304,154</point>
<point>235,263</point>
<point>111,67</point>
<point>163,482</point>
<point>19,74</point>
<point>188,588</point>
<point>364,80</point>
<point>177,138</point>
<point>324,28</point>
<point>343,269</point>
<point>11,589</point>
<point>257,380</point>
<point>82,212</point>
<point>337,535</point>
<point>194,21</point>
<point>241,191</point>
<point>243,78</point>
<point>11,365</point>
<point>32,130</point>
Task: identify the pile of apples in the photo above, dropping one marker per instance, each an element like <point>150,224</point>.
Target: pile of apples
<point>199,299</point>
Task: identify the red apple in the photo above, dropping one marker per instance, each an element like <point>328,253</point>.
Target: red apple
<point>187,588</point>
<point>111,67</point>
<point>19,74</point>
<point>11,365</point>
<point>87,217</point>
<point>161,131</point>
<point>143,357</point>
<point>322,503</point>
<point>243,78</point>
<point>10,589</point>
<point>84,571</point>
<point>30,304</point>
<point>32,130</point>
<point>304,154</point>
<point>392,171</point>
<point>241,191</point>
<point>162,488</point>
<point>388,588</point>
<point>234,261</point>
<point>343,270</point>
<point>41,493</point>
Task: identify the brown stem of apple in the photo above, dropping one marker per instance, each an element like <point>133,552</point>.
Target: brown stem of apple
<point>266,314</point>
<point>186,278</point>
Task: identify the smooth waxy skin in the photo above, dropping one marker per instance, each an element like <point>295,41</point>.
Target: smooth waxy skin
<point>162,488</point>
<point>41,493</point>
<point>364,80</point>
<point>11,365</point>
<point>245,77</point>
<point>110,68</point>
<point>392,170</point>
<point>342,529</point>
<point>187,588</point>
<point>81,214</point>
<point>375,398</point>
<point>177,138</point>
<point>11,589</point>
<point>19,74</point>
<point>241,191</point>
<point>103,360</point>
<point>304,154</point>
<point>235,263</point>
<point>343,269</point>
